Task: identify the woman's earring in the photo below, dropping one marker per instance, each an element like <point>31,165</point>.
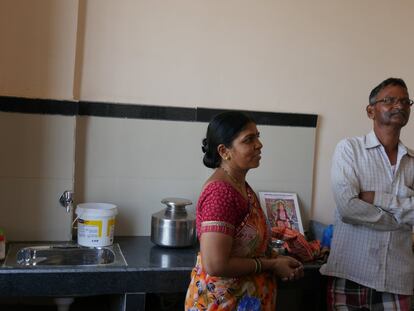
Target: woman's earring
<point>227,158</point>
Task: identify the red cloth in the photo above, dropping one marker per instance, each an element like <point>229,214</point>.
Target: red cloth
<point>220,202</point>
<point>296,244</point>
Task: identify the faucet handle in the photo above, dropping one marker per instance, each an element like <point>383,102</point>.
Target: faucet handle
<point>66,200</point>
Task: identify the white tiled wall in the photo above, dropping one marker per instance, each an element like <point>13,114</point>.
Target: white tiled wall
<point>37,164</point>
<point>136,163</point>
<point>132,163</point>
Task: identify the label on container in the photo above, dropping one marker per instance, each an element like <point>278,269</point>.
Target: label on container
<point>96,232</point>
<point>90,228</point>
<point>110,229</point>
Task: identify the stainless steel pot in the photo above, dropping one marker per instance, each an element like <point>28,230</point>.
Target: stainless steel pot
<point>173,226</point>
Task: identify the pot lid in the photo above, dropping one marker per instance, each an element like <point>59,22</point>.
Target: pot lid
<point>176,202</point>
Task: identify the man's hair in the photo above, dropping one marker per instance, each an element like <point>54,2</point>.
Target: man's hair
<point>382,85</point>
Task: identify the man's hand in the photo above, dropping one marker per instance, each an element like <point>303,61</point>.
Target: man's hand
<point>367,196</point>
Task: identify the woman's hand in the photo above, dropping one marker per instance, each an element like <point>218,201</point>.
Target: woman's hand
<point>287,268</point>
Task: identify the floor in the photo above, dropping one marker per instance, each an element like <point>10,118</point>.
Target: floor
<point>165,302</point>
<point>46,304</point>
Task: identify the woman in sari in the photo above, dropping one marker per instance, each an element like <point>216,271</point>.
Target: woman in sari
<point>235,267</point>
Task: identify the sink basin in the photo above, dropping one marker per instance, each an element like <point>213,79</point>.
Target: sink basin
<point>61,255</point>
<point>20,255</point>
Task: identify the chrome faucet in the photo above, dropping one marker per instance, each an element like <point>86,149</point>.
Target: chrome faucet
<point>66,200</point>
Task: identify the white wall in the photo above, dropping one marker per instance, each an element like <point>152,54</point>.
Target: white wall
<point>318,56</point>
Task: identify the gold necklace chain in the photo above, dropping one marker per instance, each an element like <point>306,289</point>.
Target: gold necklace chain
<point>233,179</point>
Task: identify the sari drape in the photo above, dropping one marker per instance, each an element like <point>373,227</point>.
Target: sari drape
<point>251,239</point>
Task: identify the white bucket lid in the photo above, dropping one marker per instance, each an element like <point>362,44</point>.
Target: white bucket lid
<point>96,209</point>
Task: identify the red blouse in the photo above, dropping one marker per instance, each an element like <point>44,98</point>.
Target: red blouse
<point>220,208</point>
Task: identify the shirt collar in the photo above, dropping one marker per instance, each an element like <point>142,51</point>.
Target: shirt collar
<point>409,151</point>
<point>371,141</point>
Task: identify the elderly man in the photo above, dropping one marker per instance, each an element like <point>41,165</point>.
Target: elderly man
<point>371,264</point>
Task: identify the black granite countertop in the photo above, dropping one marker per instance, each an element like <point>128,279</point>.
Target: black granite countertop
<point>150,269</point>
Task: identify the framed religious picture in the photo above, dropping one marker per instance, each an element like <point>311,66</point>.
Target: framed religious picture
<point>282,209</point>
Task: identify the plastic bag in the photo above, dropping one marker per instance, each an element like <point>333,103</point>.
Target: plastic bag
<point>248,303</point>
<point>327,236</point>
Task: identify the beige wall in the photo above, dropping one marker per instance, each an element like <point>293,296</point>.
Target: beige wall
<point>318,56</point>
<point>37,54</point>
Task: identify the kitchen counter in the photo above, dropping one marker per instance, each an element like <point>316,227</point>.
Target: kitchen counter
<point>151,269</point>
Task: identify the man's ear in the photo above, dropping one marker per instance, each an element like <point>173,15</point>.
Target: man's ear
<point>370,111</point>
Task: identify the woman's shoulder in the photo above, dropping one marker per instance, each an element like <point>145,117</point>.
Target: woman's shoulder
<point>220,193</point>
<point>217,185</point>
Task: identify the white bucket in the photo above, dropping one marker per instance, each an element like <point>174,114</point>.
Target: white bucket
<point>96,224</point>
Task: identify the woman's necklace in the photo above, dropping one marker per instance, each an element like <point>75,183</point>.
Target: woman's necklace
<point>234,180</point>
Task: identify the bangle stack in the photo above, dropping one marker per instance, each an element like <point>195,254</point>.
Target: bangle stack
<point>258,263</point>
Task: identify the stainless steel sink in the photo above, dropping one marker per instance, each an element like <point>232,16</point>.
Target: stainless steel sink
<point>68,255</point>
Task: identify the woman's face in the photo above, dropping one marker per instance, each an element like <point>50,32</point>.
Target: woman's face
<point>245,152</point>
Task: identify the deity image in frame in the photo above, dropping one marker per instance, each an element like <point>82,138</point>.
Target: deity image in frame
<point>282,209</point>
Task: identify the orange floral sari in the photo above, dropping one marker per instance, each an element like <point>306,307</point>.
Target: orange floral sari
<point>251,239</point>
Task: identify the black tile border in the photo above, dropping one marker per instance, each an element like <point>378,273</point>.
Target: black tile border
<point>136,111</point>
<point>131,111</point>
<point>266,118</point>
<point>38,106</point>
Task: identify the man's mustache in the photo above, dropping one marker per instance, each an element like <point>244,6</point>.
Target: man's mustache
<point>398,111</point>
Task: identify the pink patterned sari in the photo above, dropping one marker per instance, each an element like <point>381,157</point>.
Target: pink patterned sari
<point>251,239</point>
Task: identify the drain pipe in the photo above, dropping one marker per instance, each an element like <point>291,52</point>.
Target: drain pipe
<point>63,303</point>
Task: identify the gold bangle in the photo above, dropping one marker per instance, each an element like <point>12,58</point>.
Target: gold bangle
<point>259,265</point>
<point>256,265</point>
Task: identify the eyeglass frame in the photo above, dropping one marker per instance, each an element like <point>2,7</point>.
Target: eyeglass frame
<point>391,100</point>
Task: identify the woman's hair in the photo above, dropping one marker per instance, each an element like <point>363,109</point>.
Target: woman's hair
<point>222,129</point>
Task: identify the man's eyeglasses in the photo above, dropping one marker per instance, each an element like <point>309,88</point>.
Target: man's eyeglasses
<point>389,101</point>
